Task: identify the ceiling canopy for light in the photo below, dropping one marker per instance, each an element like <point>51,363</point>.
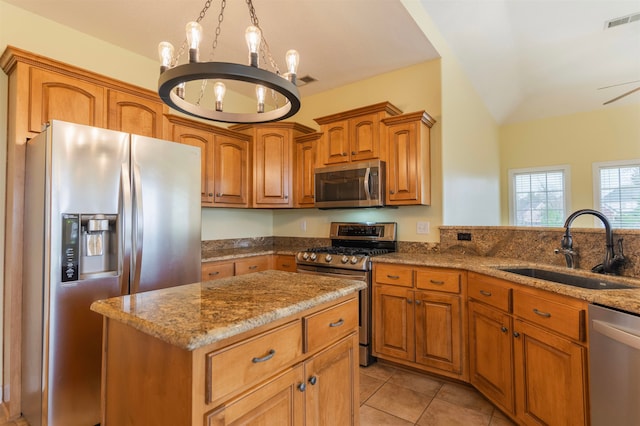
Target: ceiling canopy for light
<point>279,89</point>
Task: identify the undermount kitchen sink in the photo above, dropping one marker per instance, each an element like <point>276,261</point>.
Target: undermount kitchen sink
<point>568,279</point>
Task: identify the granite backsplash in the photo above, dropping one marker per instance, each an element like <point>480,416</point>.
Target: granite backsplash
<point>526,244</point>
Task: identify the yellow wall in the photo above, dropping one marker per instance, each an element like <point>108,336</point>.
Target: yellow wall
<point>577,140</point>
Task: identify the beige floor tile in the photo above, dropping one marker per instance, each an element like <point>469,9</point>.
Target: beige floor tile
<point>399,401</point>
<point>368,385</point>
<point>418,382</point>
<point>370,416</point>
<point>464,396</point>
<point>443,413</point>
<point>379,371</point>
<point>500,421</point>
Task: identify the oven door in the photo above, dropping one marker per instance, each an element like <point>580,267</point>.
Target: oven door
<point>364,320</point>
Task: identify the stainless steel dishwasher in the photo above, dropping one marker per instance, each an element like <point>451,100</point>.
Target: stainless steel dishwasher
<point>614,366</point>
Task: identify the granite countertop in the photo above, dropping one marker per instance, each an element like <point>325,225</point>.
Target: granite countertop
<point>238,253</point>
<point>624,299</point>
<point>195,315</point>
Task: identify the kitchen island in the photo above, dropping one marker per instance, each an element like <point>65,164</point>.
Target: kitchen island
<point>270,346</point>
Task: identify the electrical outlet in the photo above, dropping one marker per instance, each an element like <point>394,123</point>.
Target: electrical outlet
<point>464,236</point>
<point>303,225</point>
<point>422,227</point>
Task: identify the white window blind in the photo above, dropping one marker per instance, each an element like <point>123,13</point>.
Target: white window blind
<point>538,197</point>
<point>617,192</point>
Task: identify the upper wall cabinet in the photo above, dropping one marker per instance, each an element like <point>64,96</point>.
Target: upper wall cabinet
<point>354,135</point>
<point>273,162</point>
<point>134,114</point>
<point>304,182</point>
<point>408,158</point>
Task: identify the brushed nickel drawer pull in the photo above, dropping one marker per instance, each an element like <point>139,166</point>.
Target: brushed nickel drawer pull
<point>542,314</point>
<point>253,266</point>
<point>393,277</point>
<point>436,282</point>
<point>485,293</point>
<point>213,274</point>
<point>267,357</point>
<point>286,265</point>
<point>337,324</point>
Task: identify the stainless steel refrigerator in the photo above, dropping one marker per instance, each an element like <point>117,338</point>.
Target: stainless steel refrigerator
<point>106,214</point>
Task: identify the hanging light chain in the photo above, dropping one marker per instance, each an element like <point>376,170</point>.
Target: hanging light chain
<point>264,46</point>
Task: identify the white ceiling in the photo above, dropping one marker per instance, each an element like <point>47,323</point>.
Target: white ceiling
<point>526,58</point>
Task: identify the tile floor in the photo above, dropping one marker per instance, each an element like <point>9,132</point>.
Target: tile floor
<point>397,397</point>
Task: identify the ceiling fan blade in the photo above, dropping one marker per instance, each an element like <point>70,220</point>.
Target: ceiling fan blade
<point>622,96</point>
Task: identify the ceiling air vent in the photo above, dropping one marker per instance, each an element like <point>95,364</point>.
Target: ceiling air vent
<point>622,20</point>
<point>303,81</point>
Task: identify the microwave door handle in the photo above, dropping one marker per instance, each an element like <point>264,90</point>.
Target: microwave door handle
<point>367,183</point>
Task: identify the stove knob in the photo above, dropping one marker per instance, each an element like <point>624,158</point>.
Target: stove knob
<point>344,259</point>
<point>328,258</point>
<point>305,255</point>
<point>354,260</point>
<point>313,256</point>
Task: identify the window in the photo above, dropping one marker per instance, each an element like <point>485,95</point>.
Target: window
<point>617,192</point>
<point>539,196</point>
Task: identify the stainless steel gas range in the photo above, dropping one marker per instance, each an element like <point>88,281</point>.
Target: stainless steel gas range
<point>352,246</point>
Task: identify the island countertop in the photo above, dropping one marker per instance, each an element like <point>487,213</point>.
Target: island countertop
<point>194,315</point>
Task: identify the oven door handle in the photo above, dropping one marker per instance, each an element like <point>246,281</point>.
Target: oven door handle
<point>367,183</point>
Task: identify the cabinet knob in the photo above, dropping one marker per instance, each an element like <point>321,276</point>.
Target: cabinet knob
<point>286,197</point>
<point>218,195</point>
<point>409,301</point>
<point>302,387</point>
<point>504,329</point>
<point>344,154</point>
<point>313,380</point>
<point>391,191</point>
<point>353,153</point>
<point>211,194</point>
<point>516,334</point>
<point>418,302</point>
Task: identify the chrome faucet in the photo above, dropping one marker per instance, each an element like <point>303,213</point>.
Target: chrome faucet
<point>612,261</point>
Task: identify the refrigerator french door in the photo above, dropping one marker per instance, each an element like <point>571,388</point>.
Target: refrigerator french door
<point>106,214</point>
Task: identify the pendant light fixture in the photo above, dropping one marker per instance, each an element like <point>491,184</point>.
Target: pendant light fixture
<point>279,88</point>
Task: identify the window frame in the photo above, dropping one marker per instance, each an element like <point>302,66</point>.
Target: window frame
<point>595,172</point>
<point>564,168</point>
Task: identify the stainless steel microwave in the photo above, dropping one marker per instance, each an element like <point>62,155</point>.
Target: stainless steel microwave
<point>359,184</point>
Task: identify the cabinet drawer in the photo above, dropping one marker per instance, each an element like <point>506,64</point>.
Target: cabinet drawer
<point>559,317</point>
<point>490,291</point>
<point>329,325</point>
<point>214,270</point>
<point>393,275</point>
<point>439,280</point>
<point>252,264</point>
<point>285,263</point>
<point>251,361</point>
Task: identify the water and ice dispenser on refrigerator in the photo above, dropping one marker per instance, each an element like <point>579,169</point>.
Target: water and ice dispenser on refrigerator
<point>90,246</point>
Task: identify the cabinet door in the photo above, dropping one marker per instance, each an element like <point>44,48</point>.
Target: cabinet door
<point>439,331</point>
<point>273,174</point>
<point>279,402</point>
<point>491,354</point>
<point>364,137</point>
<point>134,114</point>
<point>403,184</point>
<point>305,178</point>
<point>55,96</point>
<point>335,143</point>
<point>203,140</point>
<point>231,171</point>
<point>393,322</point>
<point>550,378</point>
<point>332,385</point>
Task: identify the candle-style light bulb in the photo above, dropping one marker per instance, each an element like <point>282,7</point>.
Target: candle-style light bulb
<point>194,37</point>
<point>261,91</point>
<point>219,90</point>
<point>165,51</point>
<point>293,59</point>
<point>253,36</point>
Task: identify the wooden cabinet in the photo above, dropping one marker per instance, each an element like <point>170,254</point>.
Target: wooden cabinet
<point>418,318</point>
<point>241,266</point>
<point>354,135</point>
<point>270,375</point>
<point>273,162</point>
<point>225,161</point>
<point>285,262</point>
<point>408,159</point>
<point>58,96</point>
<point>306,160</point>
<point>528,351</point>
<point>134,114</point>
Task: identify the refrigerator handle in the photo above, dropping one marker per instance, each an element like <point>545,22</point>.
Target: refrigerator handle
<point>137,231</point>
<point>124,212</point>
